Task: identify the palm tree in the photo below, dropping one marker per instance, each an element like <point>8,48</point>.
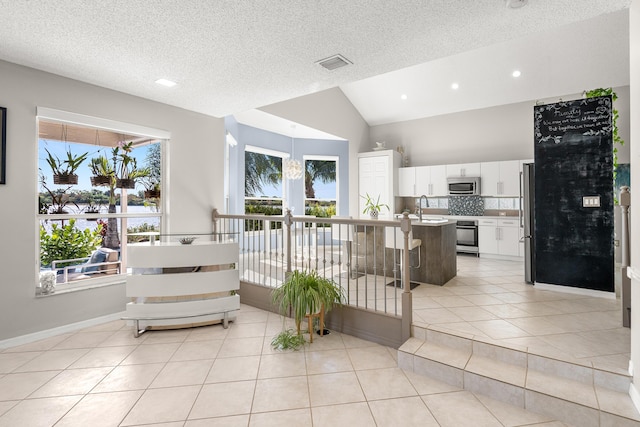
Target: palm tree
<point>320,170</point>
<point>259,170</point>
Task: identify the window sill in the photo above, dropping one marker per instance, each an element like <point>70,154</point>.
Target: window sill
<point>83,285</point>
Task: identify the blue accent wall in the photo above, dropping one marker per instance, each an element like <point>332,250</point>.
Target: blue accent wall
<point>247,135</point>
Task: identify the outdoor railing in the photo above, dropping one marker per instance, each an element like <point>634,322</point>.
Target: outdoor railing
<point>359,255</point>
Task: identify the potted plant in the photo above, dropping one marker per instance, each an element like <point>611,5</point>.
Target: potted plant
<point>127,171</point>
<point>92,208</point>
<point>64,170</point>
<point>373,207</point>
<point>305,293</point>
<point>152,188</point>
<point>102,171</point>
<point>59,200</point>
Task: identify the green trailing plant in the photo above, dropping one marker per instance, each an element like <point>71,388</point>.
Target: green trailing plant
<point>371,206</point>
<point>306,293</point>
<point>67,242</point>
<point>288,340</point>
<point>616,136</point>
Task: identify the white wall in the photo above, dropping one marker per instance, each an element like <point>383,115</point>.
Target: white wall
<point>330,111</point>
<point>195,173</point>
<point>497,133</point>
<point>634,36</point>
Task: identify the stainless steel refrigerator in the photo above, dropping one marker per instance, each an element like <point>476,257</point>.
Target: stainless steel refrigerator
<point>527,184</point>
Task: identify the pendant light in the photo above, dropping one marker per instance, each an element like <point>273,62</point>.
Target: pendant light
<point>292,168</point>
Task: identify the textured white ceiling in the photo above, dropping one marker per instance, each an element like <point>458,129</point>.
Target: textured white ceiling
<point>564,60</point>
<point>231,56</point>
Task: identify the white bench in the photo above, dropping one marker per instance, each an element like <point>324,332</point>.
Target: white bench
<point>202,288</point>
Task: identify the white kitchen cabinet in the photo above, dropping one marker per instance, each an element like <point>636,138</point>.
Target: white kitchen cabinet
<point>378,177</point>
<point>431,181</point>
<point>407,182</point>
<point>499,237</point>
<point>500,178</point>
<point>487,236</point>
<point>463,169</point>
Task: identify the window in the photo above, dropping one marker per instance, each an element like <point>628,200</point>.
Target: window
<point>98,190</point>
<point>320,186</point>
<point>263,184</point>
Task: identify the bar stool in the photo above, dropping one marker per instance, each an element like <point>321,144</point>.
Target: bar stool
<point>394,239</point>
<point>349,237</point>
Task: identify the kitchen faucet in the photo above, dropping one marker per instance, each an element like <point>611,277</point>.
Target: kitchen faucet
<point>426,203</point>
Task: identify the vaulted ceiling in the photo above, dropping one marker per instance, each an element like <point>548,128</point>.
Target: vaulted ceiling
<point>228,57</point>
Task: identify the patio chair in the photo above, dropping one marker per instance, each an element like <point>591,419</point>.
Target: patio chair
<point>103,261</point>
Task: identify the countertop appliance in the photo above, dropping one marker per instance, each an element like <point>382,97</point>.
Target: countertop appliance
<point>467,236</point>
<point>527,182</point>
<point>463,186</point>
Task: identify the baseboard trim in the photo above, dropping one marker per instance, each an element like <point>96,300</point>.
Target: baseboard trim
<point>574,290</point>
<point>48,333</point>
<point>635,396</point>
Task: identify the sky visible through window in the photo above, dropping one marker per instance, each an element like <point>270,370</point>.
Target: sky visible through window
<point>59,149</point>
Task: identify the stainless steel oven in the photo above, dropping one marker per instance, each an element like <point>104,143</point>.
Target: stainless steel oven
<point>467,236</point>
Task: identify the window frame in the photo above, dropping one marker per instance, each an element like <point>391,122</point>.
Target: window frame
<point>312,157</point>
<point>269,152</point>
<point>75,119</point>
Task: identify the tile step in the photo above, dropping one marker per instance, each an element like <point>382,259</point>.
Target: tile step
<point>570,391</point>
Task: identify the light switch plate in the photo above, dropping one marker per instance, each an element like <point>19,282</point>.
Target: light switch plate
<point>591,201</point>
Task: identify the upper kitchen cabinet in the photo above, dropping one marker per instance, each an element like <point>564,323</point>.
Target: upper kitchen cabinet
<point>431,181</point>
<point>378,177</point>
<point>500,178</point>
<point>407,182</point>
<point>464,169</point>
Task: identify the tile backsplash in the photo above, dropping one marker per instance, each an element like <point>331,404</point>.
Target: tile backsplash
<point>502,203</point>
<point>469,205</point>
<point>466,205</point>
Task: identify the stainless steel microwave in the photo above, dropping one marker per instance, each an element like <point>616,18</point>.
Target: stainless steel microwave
<point>464,186</point>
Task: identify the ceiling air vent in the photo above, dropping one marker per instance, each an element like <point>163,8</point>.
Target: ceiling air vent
<point>333,62</point>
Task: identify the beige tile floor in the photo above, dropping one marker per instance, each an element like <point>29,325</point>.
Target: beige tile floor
<point>489,299</point>
<point>209,376</point>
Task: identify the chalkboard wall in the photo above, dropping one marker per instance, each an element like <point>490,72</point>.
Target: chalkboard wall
<point>573,159</point>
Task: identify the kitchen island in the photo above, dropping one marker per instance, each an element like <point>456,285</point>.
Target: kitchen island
<point>438,262</point>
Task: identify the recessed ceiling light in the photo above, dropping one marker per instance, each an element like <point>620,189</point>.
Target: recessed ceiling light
<point>516,73</point>
<point>455,86</point>
<point>403,96</point>
<point>165,82</point>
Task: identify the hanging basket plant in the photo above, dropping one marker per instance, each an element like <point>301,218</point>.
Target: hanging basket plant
<point>151,194</point>
<point>126,166</point>
<point>64,170</point>
<point>100,180</point>
<point>151,187</point>
<point>125,183</point>
<point>102,171</point>
<point>65,179</point>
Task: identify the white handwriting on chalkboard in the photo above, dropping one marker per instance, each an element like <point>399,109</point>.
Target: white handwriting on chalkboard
<point>589,117</point>
<point>572,113</point>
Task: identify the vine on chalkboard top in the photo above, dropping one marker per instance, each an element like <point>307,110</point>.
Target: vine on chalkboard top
<point>616,137</point>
